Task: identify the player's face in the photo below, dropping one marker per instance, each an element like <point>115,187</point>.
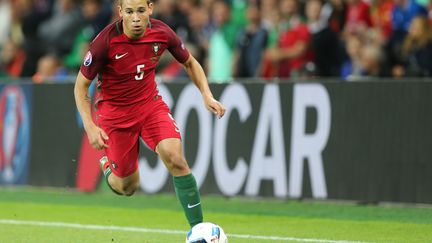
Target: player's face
<point>135,14</point>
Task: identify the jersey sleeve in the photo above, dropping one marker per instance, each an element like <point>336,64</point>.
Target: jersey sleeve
<point>95,58</point>
<point>176,47</point>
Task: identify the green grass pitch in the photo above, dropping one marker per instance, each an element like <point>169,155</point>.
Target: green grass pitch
<point>47,215</point>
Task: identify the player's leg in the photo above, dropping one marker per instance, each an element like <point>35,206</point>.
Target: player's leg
<point>161,134</point>
<point>171,152</point>
<point>120,185</point>
<point>120,166</point>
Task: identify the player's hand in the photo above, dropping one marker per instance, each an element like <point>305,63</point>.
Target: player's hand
<point>97,137</point>
<point>273,54</point>
<point>214,106</point>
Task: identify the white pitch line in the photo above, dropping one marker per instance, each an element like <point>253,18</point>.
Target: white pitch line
<point>280,238</point>
<point>161,231</point>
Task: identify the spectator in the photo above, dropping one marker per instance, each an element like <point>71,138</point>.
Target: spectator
<point>358,17</point>
<point>33,14</point>
<point>5,20</point>
<point>238,12</point>
<point>351,68</point>
<point>11,59</point>
<point>334,12</point>
<point>416,50</point>
<point>381,13</point>
<point>372,62</point>
<point>18,10</point>
<point>292,52</point>
<point>221,43</point>
<point>96,17</point>
<point>277,20</point>
<point>184,8</point>
<point>114,10</point>
<point>269,13</point>
<point>207,5</point>
<point>430,12</point>
<point>324,43</point>
<point>214,30</point>
<point>251,43</point>
<point>49,69</point>
<point>59,31</point>
<point>201,30</point>
<point>403,12</point>
<point>176,18</point>
<point>199,19</point>
<point>286,17</point>
<point>402,15</point>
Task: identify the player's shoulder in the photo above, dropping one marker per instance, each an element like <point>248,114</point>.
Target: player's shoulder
<point>161,27</point>
<point>158,24</point>
<point>162,30</point>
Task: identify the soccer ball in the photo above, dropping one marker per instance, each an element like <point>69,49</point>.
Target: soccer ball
<point>206,233</point>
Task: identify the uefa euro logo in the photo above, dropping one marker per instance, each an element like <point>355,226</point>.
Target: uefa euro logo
<point>14,135</point>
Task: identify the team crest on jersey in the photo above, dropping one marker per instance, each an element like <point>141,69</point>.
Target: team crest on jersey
<point>156,48</point>
<point>114,165</point>
<point>88,59</point>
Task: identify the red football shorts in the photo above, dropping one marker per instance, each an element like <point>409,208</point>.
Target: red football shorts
<point>153,125</point>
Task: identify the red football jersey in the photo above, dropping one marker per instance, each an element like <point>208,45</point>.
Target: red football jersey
<point>288,39</point>
<point>126,67</point>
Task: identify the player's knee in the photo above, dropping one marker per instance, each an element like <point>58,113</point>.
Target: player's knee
<point>174,159</point>
<point>176,162</point>
<point>115,185</point>
<point>129,193</point>
<point>130,189</point>
<point>125,187</point>
<point>115,188</point>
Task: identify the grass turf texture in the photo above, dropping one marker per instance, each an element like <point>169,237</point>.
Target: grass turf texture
<point>317,220</point>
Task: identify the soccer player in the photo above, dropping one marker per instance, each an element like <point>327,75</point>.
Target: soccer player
<point>124,56</point>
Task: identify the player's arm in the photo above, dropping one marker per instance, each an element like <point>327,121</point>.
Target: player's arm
<point>196,73</point>
<point>278,54</point>
<point>95,134</point>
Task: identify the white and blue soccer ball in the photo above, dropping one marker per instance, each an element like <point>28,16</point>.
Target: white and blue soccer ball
<point>206,233</point>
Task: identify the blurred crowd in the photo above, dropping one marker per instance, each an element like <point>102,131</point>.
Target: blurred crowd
<point>46,40</point>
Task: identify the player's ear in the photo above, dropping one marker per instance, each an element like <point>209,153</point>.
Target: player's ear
<point>119,8</point>
<point>150,7</point>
